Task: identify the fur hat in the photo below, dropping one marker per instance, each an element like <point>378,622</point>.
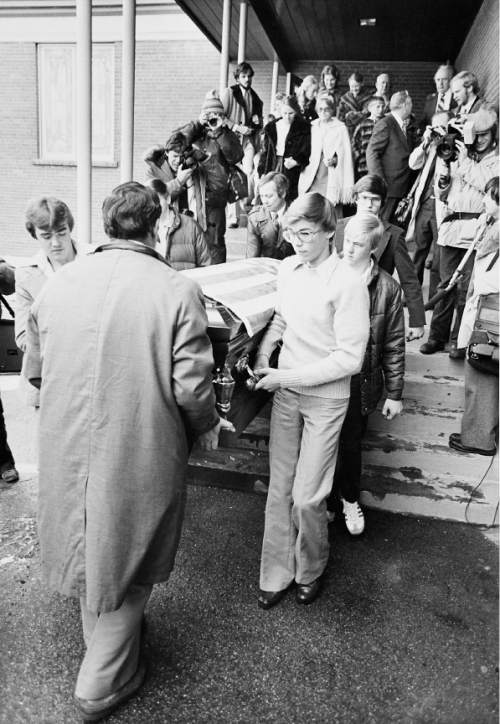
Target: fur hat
<point>212,104</point>
<point>483,120</point>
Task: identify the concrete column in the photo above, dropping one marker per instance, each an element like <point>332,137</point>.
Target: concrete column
<point>288,83</point>
<point>128,92</point>
<point>274,81</point>
<point>84,120</point>
<point>242,38</point>
<point>226,37</point>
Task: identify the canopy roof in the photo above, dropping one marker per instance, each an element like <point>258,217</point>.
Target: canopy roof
<point>406,30</point>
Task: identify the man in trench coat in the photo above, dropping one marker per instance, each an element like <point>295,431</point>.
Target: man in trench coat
<point>118,345</point>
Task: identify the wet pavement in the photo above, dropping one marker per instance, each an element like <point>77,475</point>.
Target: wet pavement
<point>406,628</point>
<point>404,631</point>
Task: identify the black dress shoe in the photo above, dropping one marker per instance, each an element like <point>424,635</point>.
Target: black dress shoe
<point>307,592</point>
<point>456,352</point>
<point>268,599</point>
<point>455,442</point>
<point>431,346</point>
<point>97,709</point>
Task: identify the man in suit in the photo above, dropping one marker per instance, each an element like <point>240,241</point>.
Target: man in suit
<point>264,230</point>
<point>442,100</point>
<point>391,253</point>
<point>243,109</point>
<point>388,151</point>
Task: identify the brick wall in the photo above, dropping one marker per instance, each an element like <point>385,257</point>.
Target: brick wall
<point>416,78</point>
<point>171,81</point>
<point>479,52</point>
<point>172,78</point>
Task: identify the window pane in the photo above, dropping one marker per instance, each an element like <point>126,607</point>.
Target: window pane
<point>56,101</point>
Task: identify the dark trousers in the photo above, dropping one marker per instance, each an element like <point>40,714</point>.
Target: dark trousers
<point>442,317</point>
<point>347,478</point>
<point>215,234</point>
<point>425,237</point>
<point>6,457</point>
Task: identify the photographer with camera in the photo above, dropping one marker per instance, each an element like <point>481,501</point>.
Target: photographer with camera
<point>216,150</point>
<point>173,165</point>
<point>461,177</point>
<point>426,210</point>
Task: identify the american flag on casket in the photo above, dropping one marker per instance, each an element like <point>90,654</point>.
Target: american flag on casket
<point>244,289</point>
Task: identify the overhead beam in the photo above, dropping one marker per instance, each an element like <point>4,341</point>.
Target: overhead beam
<point>272,29</point>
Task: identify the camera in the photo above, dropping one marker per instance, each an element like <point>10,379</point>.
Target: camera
<point>446,147</point>
<point>191,157</point>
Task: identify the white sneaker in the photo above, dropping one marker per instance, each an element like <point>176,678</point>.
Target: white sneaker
<point>354,518</point>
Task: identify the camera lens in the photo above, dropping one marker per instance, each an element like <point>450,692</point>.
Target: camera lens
<point>213,121</point>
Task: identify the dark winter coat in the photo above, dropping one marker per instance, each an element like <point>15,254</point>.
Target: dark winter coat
<point>297,146</point>
<point>384,362</point>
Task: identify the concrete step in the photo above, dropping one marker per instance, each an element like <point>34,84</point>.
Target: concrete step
<point>398,476</point>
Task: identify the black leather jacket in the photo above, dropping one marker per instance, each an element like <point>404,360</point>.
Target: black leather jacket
<point>384,362</point>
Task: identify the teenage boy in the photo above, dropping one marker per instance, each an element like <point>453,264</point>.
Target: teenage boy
<point>383,364</point>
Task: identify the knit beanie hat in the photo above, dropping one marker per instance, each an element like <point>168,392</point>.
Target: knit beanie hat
<point>212,103</point>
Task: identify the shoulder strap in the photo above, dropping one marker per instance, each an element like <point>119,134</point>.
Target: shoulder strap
<point>7,305</point>
<point>490,265</point>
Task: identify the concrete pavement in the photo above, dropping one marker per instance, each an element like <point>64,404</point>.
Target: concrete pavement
<point>406,629</point>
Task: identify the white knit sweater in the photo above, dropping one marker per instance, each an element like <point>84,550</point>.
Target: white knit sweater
<point>322,316</point>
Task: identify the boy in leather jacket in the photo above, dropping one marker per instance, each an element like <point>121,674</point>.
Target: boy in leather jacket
<point>383,364</point>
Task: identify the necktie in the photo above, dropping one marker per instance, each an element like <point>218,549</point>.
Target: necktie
<point>440,104</point>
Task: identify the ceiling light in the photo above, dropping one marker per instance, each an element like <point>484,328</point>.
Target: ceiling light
<point>368,22</point>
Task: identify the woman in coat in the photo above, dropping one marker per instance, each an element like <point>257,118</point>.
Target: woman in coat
<point>330,170</point>
<point>306,96</point>
<point>329,82</point>
<point>383,364</point>
<point>286,145</point>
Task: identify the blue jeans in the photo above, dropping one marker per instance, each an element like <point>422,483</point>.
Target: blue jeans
<point>303,450</point>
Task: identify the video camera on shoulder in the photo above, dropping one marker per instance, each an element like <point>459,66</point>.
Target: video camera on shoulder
<point>446,147</point>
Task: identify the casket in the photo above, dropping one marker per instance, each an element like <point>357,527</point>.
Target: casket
<point>240,297</point>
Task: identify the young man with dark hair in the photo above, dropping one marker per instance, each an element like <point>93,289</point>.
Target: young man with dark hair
<point>243,109</point>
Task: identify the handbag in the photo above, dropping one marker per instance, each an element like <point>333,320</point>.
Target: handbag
<point>11,357</point>
<point>405,205</point>
<point>482,351</point>
<point>237,184</point>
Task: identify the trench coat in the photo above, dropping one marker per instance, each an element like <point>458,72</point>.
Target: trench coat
<point>119,340</point>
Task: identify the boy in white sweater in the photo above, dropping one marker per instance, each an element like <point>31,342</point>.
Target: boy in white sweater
<point>322,317</point>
